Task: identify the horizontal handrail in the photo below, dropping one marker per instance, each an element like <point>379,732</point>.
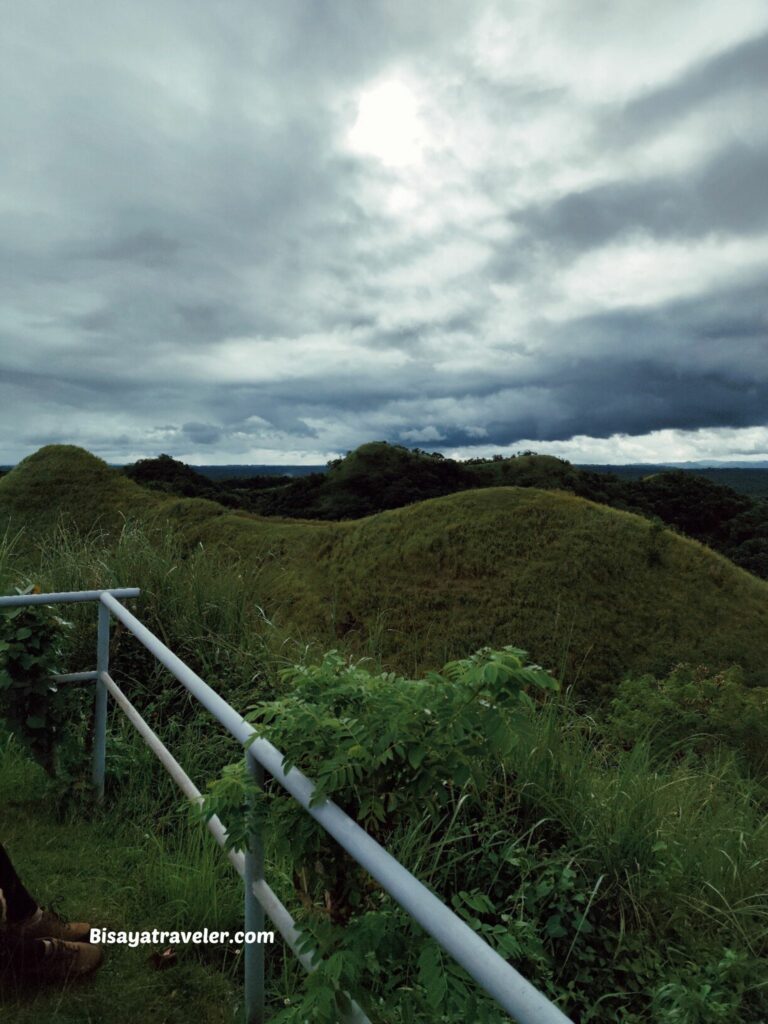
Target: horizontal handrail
<point>67,597</point>
<point>75,677</point>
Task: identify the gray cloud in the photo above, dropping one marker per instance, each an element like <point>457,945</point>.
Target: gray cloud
<point>727,194</point>
<point>739,69</point>
<point>198,259</point>
<point>146,247</point>
<point>202,433</point>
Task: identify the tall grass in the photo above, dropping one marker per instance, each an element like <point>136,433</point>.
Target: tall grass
<point>667,853</point>
<point>206,604</point>
<point>665,857</point>
<point>9,542</point>
<point>675,838</point>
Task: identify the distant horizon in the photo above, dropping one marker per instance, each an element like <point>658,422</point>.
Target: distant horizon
<point>760,464</point>
<point>704,446</point>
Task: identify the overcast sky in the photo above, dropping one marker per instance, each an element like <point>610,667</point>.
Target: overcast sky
<point>241,232</point>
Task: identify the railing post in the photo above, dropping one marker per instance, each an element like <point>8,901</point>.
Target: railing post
<point>253,952</point>
<point>100,711</point>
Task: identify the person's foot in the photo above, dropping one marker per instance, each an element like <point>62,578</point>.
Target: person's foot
<point>44,924</point>
<point>64,960</point>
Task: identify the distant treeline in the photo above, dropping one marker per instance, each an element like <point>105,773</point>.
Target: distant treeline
<point>380,476</point>
<point>168,474</point>
<point>741,479</point>
<point>247,471</point>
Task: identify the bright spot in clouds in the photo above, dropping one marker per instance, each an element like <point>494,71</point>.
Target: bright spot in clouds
<point>388,125</point>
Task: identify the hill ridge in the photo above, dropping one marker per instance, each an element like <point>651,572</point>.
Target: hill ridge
<point>587,589</point>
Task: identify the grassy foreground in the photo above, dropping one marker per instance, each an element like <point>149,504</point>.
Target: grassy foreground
<point>627,886</point>
<point>113,873</point>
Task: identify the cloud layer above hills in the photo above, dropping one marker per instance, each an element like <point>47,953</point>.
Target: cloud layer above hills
<point>252,233</point>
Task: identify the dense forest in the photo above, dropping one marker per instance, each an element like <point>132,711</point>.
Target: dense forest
<point>380,476</point>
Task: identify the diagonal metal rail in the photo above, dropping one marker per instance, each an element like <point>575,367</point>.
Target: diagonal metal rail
<point>277,912</point>
<point>514,993</point>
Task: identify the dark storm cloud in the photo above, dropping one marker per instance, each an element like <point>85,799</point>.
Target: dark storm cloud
<point>667,367</point>
<point>202,433</point>
<point>739,69</point>
<point>688,379</point>
<point>146,247</point>
<point>728,194</point>
<point>685,381</point>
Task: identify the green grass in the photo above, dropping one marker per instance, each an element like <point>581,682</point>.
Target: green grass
<point>117,873</point>
<point>624,883</point>
<point>671,855</point>
<point>590,591</point>
<point>671,860</point>
<point>62,480</point>
<point>143,861</point>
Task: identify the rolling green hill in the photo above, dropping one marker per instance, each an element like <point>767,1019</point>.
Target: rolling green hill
<point>378,476</point>
<point>583,587</point>
<point>63,482</point>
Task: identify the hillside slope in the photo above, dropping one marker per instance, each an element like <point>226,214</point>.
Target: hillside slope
<point>583,587</point>
<point>379,476</point>
<point>65,483</point>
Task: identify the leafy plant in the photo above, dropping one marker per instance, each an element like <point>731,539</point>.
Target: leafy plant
<point>706,994</point>
<point>694,710</point>
<point>32,647</point>
<point>385,749</point>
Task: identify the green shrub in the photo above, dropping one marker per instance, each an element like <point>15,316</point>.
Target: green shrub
<point>602,874</point>
<point>694,710</point>
<point>43,718</point>
<point>385,749</point>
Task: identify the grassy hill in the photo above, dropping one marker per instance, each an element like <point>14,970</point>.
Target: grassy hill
<point>63,482</point>
<point>380,476</point>
<point>587,589</point>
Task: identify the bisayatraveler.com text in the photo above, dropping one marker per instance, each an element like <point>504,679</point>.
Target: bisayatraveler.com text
<point>155,937</point>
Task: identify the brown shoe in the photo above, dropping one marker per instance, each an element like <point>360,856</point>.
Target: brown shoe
<point>64,960</point>
<point>44,924</point>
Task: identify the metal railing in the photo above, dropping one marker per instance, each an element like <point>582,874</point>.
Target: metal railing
<point>517,996</point>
